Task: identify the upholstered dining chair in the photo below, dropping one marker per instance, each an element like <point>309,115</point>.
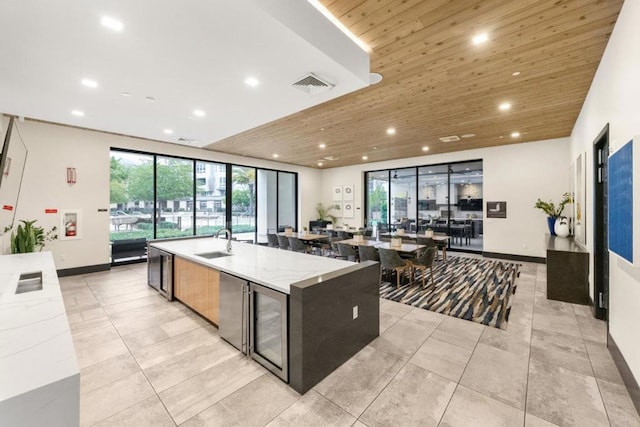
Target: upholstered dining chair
<point>283,242</point>
<point>424,261</point>
<point>390,260</point>
<point>347,252</point>
<point>272,240</point>
<point>368,253</point>
<point>296,245</point>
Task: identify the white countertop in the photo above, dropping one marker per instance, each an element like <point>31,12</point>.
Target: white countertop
<point>271,267</point>
<point>36,349</point>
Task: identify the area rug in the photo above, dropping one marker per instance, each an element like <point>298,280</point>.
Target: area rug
<point>473,289</point>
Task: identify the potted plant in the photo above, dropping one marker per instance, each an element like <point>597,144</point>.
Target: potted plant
<point>428,232</point>
<point>325,218</point>
<point>396,241</point>
<point>30,237</point>
<point>553,212</point>
<point>288,230</point>
<point>358,236</point>
<point>305,231</point>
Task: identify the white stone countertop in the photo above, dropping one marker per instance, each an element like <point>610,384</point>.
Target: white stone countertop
<point>36,348</point>
<point>271,267</point>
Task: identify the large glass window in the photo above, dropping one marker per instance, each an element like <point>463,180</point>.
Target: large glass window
<point>131,196</point>
<point>211,191</point>
<point>267,203</point>
<point>174,197</point>
<point>155,196</point>
<point>466,207</point>
<point>243,199</point>
<point>286,199</point>
<point>433,198</point>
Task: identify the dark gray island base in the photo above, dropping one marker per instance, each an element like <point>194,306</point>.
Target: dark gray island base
<point>300,316</point>
<point>323,333</point>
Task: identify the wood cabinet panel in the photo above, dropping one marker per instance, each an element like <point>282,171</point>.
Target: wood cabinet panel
<point>198,287</point>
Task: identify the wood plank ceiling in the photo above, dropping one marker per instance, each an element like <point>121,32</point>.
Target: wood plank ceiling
<point>437,83</point>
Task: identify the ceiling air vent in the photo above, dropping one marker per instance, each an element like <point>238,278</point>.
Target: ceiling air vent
<point>312,84</point>
<point>452,138</point>
<point>188,141</point>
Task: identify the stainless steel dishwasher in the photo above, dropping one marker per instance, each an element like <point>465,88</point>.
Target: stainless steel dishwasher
<point>234,311</point>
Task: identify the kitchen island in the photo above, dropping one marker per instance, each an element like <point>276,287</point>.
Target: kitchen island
<point>330,309</point>
<point>39,375</point>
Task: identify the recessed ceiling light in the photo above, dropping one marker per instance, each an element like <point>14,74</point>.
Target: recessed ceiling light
<point>391,131</point>
<point>150,99</point>
<point>77,113</point>
<point>112,24</point>
<point>505,106</point>
<point>168,131</point>
<point>375,78</point>
<point>275,155</point>
<point>125,94</point>
<point>425,148</point>
<point>320,163</point>
<point>466,169</point>
<point>89,83</point>
<point>468,135</point>
<point>198,113</point>
<point>365,158</point>
<point>480,38</point>
<point>515,73</point>
<point>251,81</point>
<point>515,134</point>
<point>322,145</point>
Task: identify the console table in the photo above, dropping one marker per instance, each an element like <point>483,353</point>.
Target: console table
<point>567,270</point>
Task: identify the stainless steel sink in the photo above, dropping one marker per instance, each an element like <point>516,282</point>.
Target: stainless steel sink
<point>215,254</point>
<point>29,282</point>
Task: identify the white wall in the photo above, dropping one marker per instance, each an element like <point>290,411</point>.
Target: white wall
<point>517,174</point>
<point>613,98</point>
<point>53,148</point>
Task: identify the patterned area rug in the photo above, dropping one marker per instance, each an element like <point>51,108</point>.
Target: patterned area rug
<point>472,289</point>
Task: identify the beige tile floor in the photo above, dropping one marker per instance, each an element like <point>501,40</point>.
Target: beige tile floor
<point>149,362</point>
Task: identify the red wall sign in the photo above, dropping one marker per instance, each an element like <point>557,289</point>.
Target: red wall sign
<point>51,211</point>
<point>7,208</point>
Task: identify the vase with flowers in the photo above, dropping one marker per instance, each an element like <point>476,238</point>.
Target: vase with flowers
<point>554,214</point>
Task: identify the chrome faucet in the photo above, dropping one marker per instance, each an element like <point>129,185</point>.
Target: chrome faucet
<point>228,234</point>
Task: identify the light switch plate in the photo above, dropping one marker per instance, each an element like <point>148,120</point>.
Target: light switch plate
<point>355,312</point>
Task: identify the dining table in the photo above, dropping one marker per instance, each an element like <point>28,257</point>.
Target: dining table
<point>364,242</point>
<point>306,237</point>
<point>440,240</point>
<point>404,248</point>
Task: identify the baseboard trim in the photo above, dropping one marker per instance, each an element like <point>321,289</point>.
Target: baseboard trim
<point>83,270</point>
<point>627,376</point>
<point>522,258</point>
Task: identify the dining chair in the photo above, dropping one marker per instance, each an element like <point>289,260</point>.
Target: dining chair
<point>390,260</point>
<point>347,252</point>
<point>424,261</point>
<point>368,253</point>
<point>272,240</point>
<point>296,245</point>
<point>283,242</point>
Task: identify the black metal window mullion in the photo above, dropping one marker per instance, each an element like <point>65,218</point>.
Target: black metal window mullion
<point>155,197</point>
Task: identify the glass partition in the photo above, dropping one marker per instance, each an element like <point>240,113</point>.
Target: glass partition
<point>446,198</point>
<point>403,199</point>
<point>432,196</point>
<point>377,212</point>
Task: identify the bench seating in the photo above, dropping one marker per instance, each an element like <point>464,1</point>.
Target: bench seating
<point>128,248</point>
